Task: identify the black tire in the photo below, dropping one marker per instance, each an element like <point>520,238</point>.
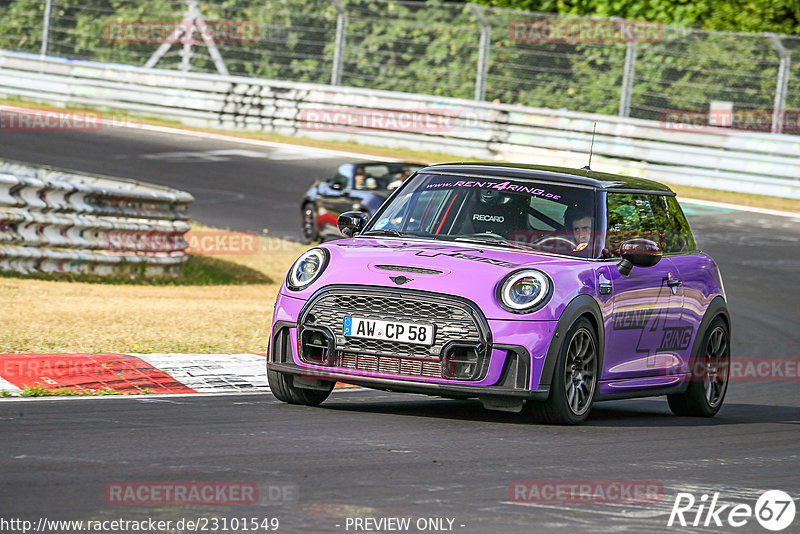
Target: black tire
<point>578,364</point>
<point>282,386</point>
<point>308,218</point>
<point>708,379</point>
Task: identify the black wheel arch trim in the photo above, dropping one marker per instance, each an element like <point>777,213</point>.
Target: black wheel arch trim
<point>717,307</point>
<point>578,307</point>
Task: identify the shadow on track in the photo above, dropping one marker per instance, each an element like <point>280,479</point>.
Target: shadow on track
<point>630,413</point>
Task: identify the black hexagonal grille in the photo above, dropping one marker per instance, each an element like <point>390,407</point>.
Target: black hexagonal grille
<point>453,321</point>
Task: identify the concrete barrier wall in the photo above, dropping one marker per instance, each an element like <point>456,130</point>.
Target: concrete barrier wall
<point>56,221</point>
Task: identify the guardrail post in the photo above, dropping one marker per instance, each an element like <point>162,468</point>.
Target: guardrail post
<point>48,9</point>
<point>782,83</point>
<point>627,80</point>
<point>338,45</point>
<point>483,51</point>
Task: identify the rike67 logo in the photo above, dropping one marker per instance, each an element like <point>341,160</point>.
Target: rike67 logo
<point>774,510</point>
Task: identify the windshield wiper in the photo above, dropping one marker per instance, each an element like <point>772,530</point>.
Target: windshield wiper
<point>391,231</point>
<point>486,241</point>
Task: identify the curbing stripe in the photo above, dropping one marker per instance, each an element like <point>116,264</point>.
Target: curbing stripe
<point>8,387</point>
<point>160,373</point>
<point>210,373</point>
<point>87,372</point>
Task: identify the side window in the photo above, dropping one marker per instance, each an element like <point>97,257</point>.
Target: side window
<point>681,224</point>
<point>630,215</point>
<point>673,228</point>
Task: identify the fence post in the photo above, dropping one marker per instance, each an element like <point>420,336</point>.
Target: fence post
<point>48,9</point>
<point>338,45</point>
<point>483,52</point>
<point>782,84</point>
<point>627,79</point>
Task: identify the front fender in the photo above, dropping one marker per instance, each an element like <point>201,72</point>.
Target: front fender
<point>582,305</point>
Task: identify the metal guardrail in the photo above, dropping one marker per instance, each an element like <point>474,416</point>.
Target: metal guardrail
<point>716,158</point>
<point>54,221</point>
<point>457,49</point>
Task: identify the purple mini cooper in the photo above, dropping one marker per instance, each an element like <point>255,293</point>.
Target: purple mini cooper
<point>533,289</point>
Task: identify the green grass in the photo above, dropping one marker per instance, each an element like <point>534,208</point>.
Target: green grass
<point>196,271</point>
<point>36,391</point>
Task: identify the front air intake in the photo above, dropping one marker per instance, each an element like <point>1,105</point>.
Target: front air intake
<point>461,361</point>
<point>316,346</point>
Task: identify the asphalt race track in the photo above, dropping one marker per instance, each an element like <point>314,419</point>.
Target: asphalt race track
<point>374,454</point>
<point>236,185</point>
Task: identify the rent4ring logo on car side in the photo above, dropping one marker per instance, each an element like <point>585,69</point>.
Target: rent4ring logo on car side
<point>672,337</point>
<point>655,336</point>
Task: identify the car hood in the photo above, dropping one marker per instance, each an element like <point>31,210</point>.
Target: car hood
<point>465,270</point>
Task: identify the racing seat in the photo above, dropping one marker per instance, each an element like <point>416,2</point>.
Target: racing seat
<point>495,213</point>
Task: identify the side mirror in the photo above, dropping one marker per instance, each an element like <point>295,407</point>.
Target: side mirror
<point>352,222</point>
<point>638,252</point>
<point>335,185</point>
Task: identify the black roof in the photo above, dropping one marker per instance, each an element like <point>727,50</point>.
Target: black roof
<point>599,180</point>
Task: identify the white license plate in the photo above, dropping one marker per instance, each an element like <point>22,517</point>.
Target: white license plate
<point>419,334</point>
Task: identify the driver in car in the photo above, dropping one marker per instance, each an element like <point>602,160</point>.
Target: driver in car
<point>581,225</point>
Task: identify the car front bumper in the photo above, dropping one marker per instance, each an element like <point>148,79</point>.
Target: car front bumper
<point>311,378</point>
<point>515,353</point>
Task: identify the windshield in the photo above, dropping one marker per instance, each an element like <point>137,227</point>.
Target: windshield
<point>383,176</point>
<point>525,214</point>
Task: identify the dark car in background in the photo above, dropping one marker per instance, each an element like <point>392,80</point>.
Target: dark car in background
<point>355,187</point>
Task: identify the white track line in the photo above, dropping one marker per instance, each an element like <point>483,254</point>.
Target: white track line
<point>247,141</point>
<point>130,123</point>
<point>339,153</point>
<point>739,207</point>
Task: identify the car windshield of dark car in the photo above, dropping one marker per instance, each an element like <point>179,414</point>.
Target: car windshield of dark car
<point>383,176</point>
<point>518,213</point>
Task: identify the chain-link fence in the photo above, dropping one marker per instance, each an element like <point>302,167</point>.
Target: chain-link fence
<point>609,66</point>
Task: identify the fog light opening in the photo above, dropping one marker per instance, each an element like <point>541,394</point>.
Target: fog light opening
<point>317,346</point>
<point>460,362</point>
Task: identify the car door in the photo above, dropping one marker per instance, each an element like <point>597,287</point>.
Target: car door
<point>645,305</point>
<point>693,271</point>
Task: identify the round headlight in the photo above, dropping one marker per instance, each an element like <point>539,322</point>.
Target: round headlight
<point>524,291</point>
<point>307,268</point>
